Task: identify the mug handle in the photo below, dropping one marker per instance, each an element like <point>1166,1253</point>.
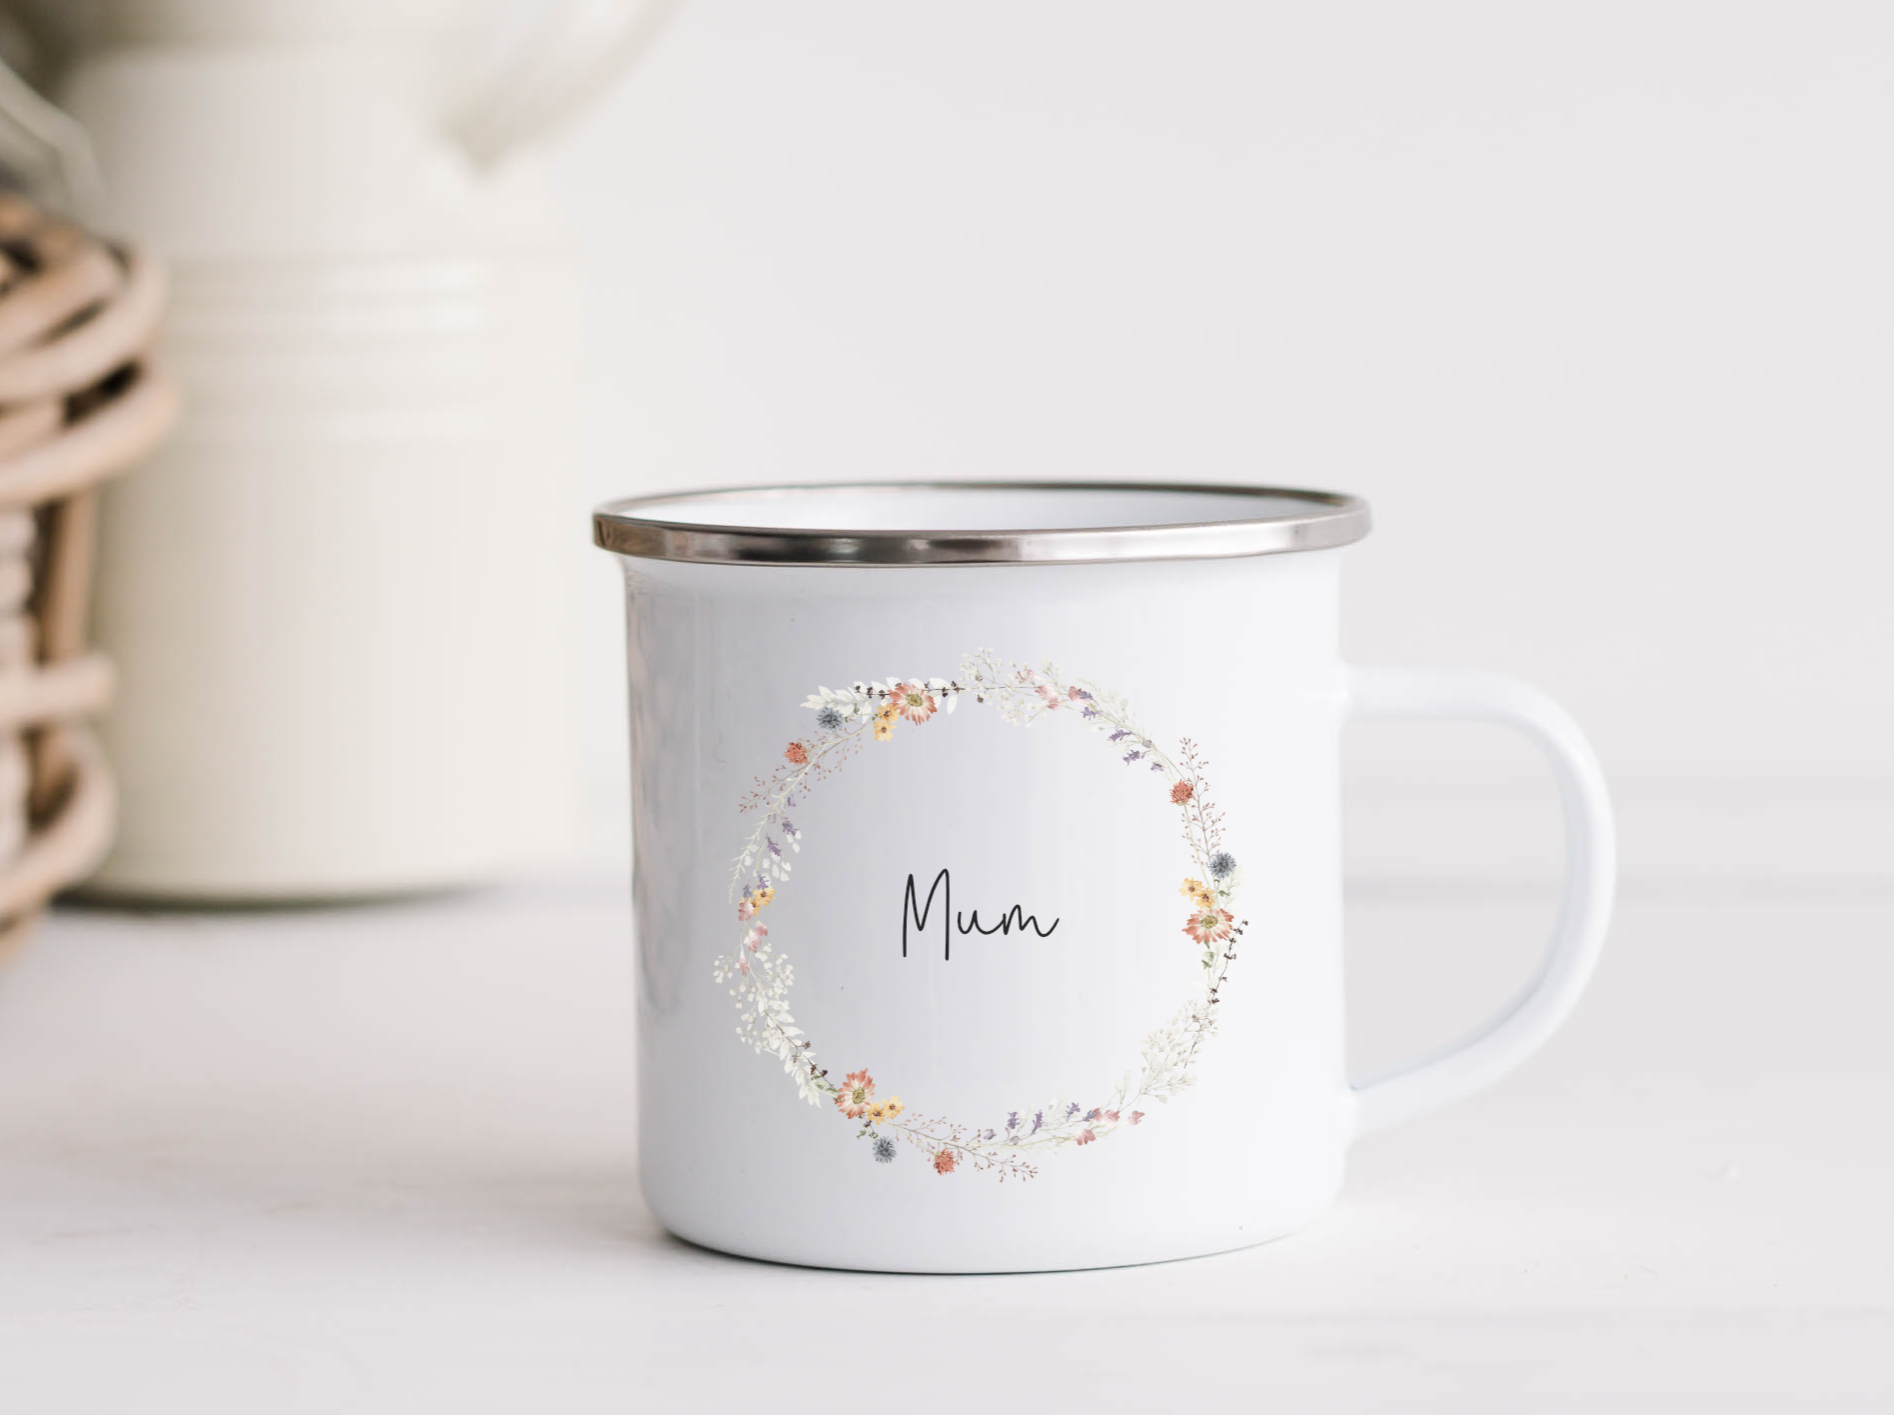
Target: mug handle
<point>1522,1025</point>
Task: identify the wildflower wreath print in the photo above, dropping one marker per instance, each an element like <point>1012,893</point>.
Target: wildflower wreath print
<point>760,976</point>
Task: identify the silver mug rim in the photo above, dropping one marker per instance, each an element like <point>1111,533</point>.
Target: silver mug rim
<point>1331,519</point>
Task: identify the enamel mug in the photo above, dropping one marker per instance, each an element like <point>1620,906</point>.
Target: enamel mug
<point>986,869</point>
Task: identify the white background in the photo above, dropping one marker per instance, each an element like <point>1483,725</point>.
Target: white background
<point>1593,302</point>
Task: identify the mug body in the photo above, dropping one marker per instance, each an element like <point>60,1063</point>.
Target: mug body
<point>988,915</point>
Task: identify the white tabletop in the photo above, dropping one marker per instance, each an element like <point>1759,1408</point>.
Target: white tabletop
<point>381,1159</point>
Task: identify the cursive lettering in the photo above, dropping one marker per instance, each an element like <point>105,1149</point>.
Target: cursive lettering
<point>917,912</point>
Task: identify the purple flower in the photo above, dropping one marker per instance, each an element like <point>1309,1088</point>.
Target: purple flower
<point>1012,1120</point>
<point>1157,766</point>
<point>1131,757</point>
<point>789,827</point>
<point>1038,1119</point>
<point>774,848</point>
<point>987,1136</point>
<point>1118,736</point>
<point>1072,1110</point>
<point>1091,1115</point>
<point>1089,712</point>
<point>1080,692</point>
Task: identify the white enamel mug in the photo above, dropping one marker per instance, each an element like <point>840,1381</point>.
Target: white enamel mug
<point>987,874</point>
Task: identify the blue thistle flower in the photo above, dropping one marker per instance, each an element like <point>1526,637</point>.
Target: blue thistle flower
<point>884,1150</point>
<point>828,719</point>
<point>1222,865</point>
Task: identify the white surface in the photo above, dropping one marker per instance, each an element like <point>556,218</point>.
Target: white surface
<point>380,1160</point>
<point>1589,301</point>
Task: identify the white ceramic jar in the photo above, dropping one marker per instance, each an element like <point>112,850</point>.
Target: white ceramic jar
<point>987,874</point>
<point>341,597</point>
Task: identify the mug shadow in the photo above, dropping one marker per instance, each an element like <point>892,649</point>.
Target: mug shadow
<point>260,1191</point>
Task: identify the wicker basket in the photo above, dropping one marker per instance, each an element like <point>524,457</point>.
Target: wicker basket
<point>79,401</point>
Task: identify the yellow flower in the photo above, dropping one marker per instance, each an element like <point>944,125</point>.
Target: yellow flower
<point>761,897</point>
<point>893,1106</point>
<point>877,1112</point>
<point>884,723</point>
<point>1195,891</point>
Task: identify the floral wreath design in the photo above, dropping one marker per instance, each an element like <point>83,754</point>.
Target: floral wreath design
<point>760,976</point>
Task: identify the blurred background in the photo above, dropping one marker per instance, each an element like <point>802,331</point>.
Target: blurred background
<point>1592,302</point>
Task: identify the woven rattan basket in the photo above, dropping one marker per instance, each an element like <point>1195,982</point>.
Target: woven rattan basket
<point>79,401</point>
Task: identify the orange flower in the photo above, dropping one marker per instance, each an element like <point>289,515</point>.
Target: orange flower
<point>797,753</point>
<point>945,1160</point>
<point>1210,925</point>
<point>856,1094</point>
<point>912,701</point>
<point>1197,893</point>
<point>1182,792</point>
